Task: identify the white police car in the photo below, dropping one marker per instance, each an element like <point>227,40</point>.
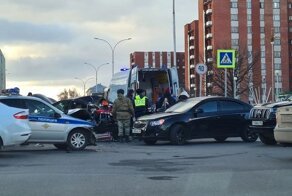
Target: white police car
<point>14,127</point>
<point>50,125</point>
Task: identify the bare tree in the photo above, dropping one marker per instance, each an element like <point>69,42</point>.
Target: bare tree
<point>67,94</point>
<point>238,79</point>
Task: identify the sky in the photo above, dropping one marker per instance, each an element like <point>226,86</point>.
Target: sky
<point>47,42</point>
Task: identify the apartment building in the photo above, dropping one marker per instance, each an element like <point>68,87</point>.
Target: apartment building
<point>261,33</point>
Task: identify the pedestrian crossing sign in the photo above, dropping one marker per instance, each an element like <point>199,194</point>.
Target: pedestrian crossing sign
<point>226,59</point>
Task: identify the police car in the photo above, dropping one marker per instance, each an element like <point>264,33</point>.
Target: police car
<point>50,125</point>
<point>14,128</point>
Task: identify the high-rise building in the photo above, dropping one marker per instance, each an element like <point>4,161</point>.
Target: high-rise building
<point>2,72</point>
<point>260,31</point>
<point>159,60</point>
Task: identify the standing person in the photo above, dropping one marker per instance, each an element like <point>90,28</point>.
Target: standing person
<point>141,103</point>
<point>130,95</point>
<point>165,101</point>
<point>123,111</point>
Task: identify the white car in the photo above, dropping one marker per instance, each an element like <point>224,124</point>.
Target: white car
<point>283,129</point>
<point>14,127</point>
<point>50,125</point>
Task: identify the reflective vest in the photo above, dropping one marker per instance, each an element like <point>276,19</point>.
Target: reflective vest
<point>140,102</point>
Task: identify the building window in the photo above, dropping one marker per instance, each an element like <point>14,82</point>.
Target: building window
<point>234,42</point>
<point>233,5</point>
<point>249,41</point>
<point>290,17</point>
<point>262,41</point>
<point>234,17</point>
<point>234,29</point>
<point>276,5</point>
<point>290,29</point>
<point>276,29</point>
<point>262,5</point>
<point>277,66</point>
<point>289,5</point>
<point>276,17</point>
<point>263,54</point>
<point>277,42</point>
<point>262,29</point>
<point>249,17</point>
<point>262,17</point>
<point>249,29</point>
<point>248,5</point>
<point>277,54</point>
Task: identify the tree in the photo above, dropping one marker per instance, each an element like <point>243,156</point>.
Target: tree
<point>239,80</point>
<point>67,94</point>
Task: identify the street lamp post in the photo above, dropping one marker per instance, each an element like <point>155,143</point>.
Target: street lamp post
<point>96,71</point>
<point>113,50</point>
<point>273,74</point>
<point>84,83</point>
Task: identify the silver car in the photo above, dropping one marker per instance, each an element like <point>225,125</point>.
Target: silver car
<point>50,125</point>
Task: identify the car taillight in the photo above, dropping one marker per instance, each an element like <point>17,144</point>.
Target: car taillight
<point>21,115</point>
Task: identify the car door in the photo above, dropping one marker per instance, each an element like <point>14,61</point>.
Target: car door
<point>204,119</point>
<point>231,118</point>
<point>44,123</point>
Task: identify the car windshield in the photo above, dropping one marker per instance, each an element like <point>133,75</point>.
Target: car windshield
<point>183,106</point>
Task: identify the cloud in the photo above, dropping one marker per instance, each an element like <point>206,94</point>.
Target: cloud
<point>29,32</point>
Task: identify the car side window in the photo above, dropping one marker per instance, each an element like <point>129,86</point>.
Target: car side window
<point>37,108</point>
<point>16,103</point>
<point>230,106</point>
<point>210,106</point>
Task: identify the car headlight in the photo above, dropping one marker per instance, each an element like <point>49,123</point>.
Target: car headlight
<point>157,122</point>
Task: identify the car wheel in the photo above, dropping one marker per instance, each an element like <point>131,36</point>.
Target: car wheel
<point>249,136</point>
<point>177,135</point>
<point>150,141</point>
<point>77,140</point>
<point>267,140</point>
<point>220,139</point>
<point>61,146</point>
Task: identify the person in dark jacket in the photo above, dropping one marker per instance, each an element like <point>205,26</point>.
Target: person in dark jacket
<point>141,103</point>
<point>123,111</point>
<point>165,101</point>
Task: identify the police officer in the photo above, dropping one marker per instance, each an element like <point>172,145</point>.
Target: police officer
<point>123,111</point>
<point>141,103</point>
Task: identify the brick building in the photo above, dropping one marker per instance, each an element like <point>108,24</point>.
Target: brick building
<point>259,30</point>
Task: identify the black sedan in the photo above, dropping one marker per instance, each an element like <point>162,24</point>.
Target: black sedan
<point>201,117</point>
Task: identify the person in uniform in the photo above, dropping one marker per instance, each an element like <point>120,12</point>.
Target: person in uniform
<point>141,103</point>
<point>123,111</point>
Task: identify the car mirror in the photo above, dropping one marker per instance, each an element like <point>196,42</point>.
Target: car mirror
<point>57,115</point>
<point>199,111</point>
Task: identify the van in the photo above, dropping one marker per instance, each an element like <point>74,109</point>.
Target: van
<point>153,80</point>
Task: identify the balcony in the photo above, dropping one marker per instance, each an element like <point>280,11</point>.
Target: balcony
<point>210,47</point>
<point>192,47</point>
<point>192,75</point>
<point>208,11</point>
<point>192,38</point>
<point>192,66</point>
<point>209,35</point>
<point>208,23</point>
<point>193,85</point>
<point>192,56</point>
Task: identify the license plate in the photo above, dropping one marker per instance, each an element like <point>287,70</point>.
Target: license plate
<point>257,123</point>
<point>136,130</point>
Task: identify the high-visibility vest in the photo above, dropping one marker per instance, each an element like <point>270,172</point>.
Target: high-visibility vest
<point>140,102</point>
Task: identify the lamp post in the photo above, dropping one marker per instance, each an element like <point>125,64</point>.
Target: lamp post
<point>113,50</point>
<point>84,83</point>
<point>96,71</point>
<point>273,75</point>
<point>174,34</point>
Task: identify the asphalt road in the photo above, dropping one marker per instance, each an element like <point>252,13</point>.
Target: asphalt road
<point>202,167</point>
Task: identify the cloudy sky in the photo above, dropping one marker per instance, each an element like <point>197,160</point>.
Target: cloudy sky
<point>46,42</point>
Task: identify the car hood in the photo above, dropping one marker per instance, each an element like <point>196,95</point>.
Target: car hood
<point>157,116</point>
<point>277,104</point>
